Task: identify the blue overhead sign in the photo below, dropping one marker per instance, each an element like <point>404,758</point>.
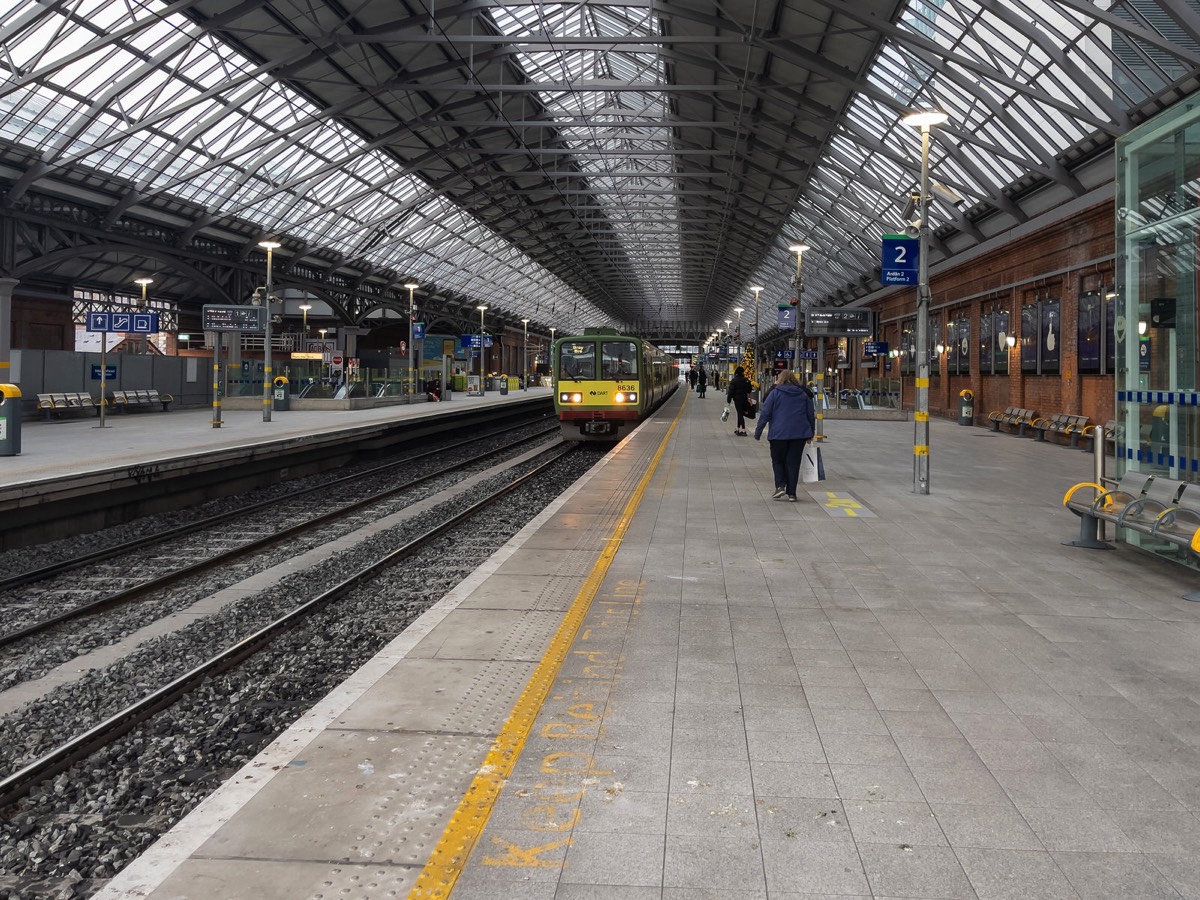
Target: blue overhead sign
<point>471,341</point>
<point>787,318</point>
<point>785,354</point>
<point>901,258</point>
<point>418,331</point>
<point>123,322</point>
<point>875,348</point>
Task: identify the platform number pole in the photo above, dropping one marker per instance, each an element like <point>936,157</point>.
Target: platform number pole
<point>923,120</point>
<point>270,247</point>
<point>216,420</point>
<point>103,379</point>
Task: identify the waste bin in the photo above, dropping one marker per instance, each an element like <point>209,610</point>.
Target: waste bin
<point>10,420</point>
<point>283,397</point>
<point>966,408</point>
<point>503,382</point>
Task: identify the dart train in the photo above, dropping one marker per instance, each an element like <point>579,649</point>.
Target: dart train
<point>605,383</point>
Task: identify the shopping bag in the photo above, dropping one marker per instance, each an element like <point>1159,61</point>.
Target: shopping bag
<point>812,466</point>
<point>725,413</point>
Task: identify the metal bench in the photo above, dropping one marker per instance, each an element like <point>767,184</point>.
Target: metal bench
<point>1017,417</point>
<point>59,402</point>
<point>1094,503</point>
<point>1069,426</point>
<point>127,400</point>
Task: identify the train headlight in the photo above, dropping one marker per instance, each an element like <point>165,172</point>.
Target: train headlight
<point>568,397</point>
<point>626,397</point>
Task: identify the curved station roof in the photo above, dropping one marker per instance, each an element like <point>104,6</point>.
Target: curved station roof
<point>643,163</point>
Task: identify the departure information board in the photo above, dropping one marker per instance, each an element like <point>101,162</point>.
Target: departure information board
<point>234,318</point>
<point>827,322</point>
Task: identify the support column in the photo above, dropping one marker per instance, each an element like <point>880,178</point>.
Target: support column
<point>6,294</point>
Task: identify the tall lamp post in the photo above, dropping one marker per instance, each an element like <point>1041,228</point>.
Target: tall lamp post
<point>550,354</point>
<point>412,344</point>
<point>143,340</point>
<point>304,308</point>
<point>925,120</point>
<point>270,247</point>
<point>757,290</point>
<point>525,356</point>
<point>482,376</point>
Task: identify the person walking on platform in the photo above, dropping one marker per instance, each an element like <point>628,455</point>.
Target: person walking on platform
<point>738,393</point>
<point>701,382</point>
<point>692,377</point>
<point>789,412</point>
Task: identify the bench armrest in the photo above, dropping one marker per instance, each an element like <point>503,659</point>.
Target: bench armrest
<point>1098,488</point>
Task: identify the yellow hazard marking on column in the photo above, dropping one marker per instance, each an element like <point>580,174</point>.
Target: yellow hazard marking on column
<point>449,857</point>
<point>922,382</point>
<point>919,416</point>
<point>844,505</point>
<point>920,450</point>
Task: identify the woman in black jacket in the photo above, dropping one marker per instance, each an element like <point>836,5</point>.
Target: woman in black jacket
<point>738,393</point>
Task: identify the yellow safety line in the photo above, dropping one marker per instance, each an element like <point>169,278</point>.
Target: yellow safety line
<point>448,858</point>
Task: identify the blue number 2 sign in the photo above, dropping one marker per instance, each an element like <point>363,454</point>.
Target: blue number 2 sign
<point>901,257</point>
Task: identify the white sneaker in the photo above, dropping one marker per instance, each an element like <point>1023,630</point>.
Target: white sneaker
<point>778,495</point>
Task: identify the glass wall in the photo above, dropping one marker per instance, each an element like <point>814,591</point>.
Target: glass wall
<point>1157,240</point>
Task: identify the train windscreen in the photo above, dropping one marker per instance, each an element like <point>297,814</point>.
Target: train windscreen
<point>620,359</point>
<point>577,360</point>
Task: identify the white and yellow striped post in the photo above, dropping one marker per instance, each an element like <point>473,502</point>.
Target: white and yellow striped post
<point>924,120</point>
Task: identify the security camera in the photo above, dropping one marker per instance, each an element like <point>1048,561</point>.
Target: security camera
<point>910,207</point>
<point>946,194</point>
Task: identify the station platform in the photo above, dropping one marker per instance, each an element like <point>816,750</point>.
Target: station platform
<point>56,448</point>
<point>74,474</point>
<point>669,686</point>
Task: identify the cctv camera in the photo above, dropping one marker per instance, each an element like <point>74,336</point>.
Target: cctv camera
<point>910,208</point>
<point>946,194</point>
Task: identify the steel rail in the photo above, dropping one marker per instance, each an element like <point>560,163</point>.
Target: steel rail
<point>128,595</point>
<point>19,784</point>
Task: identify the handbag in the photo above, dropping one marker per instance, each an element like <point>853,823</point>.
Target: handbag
<point>725,413</point>
<point>812,465</point>
<point>751,409</point>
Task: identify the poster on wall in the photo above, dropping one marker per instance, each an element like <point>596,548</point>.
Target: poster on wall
<point>1003,328</point>
<point>1029,339</point>
<point>1090,309</point>
<point>987,340</point>
<point>1050,336</point>
<point>960,341</point>
<point>908,347</point>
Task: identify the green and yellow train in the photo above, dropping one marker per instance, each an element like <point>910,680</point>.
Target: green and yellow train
<point>606,383</point>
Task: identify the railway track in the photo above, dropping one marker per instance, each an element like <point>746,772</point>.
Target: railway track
<point>102,734</point>
<point>105,579</point>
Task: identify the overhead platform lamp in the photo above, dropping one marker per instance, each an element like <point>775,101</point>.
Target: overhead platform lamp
<point>525,356</point>
<point>270,247</point>
<point>412,342</point>
<point>798,284</point>
<point>924,120</point>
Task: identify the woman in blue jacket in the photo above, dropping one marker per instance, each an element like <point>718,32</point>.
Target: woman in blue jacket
<point>788,410</point>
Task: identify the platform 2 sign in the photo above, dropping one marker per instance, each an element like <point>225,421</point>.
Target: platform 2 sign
<point>233,318</point>
<point>901,259</point>
<point>122,322</point>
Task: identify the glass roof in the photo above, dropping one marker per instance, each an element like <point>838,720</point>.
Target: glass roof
<point>143,92</point>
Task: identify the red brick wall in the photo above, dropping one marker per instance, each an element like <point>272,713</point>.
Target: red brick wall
<point>1056,262</point>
